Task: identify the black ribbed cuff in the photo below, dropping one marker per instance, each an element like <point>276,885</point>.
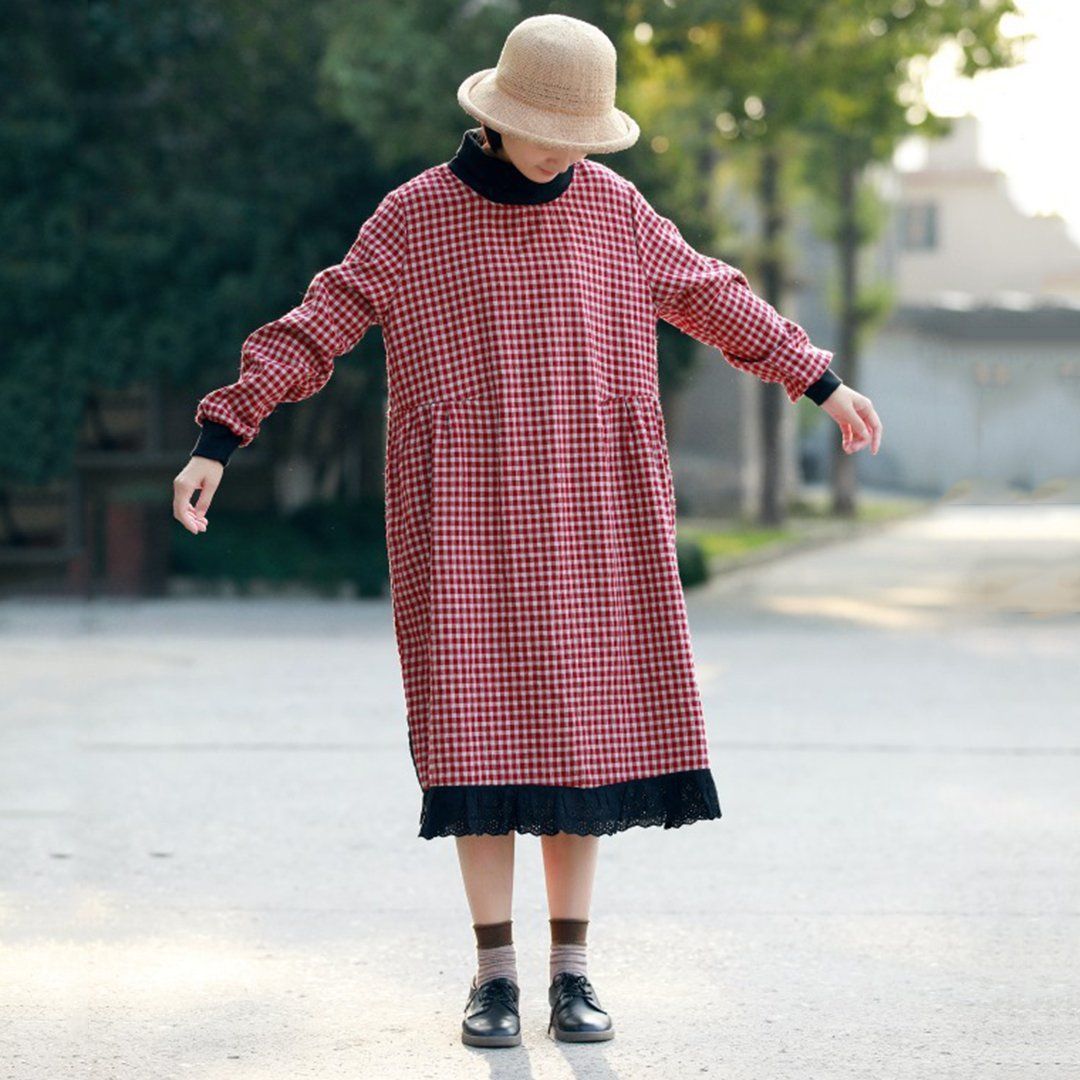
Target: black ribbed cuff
<point>818,391</point>
<point>216,441</point>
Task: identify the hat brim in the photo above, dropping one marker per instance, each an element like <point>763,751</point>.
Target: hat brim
<point>479,95</point>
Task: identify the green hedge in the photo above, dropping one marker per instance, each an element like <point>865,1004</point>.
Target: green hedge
<point>323,546</point>
<point>693,562</point>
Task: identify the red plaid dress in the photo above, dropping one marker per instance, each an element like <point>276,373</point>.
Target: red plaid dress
<point>540,622</point>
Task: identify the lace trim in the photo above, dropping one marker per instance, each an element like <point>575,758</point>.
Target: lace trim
<point>671,800</point>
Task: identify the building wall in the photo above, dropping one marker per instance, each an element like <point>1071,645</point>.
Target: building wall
<point>980,242</point>
<point>1004,412</point>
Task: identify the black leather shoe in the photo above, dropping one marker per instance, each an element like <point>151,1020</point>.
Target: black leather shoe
<point>576,1015</point>
<point>491,1014</point>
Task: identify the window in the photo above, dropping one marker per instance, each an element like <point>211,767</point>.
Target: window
<point>918,226</point>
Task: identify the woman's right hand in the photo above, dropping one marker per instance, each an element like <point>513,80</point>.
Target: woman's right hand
<point>202,475</point>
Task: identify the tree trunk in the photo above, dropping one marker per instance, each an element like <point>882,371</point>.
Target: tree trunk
<point>843,472</point>
<point>772,398</point>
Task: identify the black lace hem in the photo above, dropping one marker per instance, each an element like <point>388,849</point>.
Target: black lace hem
<point>671,800</point>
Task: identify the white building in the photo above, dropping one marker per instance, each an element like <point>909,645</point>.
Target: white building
<point>977,373</point>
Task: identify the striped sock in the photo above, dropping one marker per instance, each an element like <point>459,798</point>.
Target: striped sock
<point>494,952</point>
<point>567,946</point>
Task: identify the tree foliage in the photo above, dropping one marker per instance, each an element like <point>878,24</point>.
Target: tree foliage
<point>174,171</point>
<point>170,182</point>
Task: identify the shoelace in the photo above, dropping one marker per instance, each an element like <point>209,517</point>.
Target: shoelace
<point>573,982</point>
<point>499,989</point>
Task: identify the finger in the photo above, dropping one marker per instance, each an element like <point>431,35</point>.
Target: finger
<point>182,504</point>
<point>859,425</point>
<point>875,424</point>
<point>184,516</point>
<point>192,517</point>
<point>193,520</point>
<point>869,424</point>
<point>206,497</point>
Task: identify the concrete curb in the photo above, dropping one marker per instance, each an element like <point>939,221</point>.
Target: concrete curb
<point>833,533</point>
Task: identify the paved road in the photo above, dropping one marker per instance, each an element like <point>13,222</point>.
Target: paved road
<point>210,865</point>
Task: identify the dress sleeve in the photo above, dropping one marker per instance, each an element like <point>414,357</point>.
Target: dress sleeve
<point>712,301</point>
<point>292,357</point>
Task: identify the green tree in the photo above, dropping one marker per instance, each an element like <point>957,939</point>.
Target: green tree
<point>870,54</point>
<point>797,96</point>
<point>726,80</point>
<point>171,180</point>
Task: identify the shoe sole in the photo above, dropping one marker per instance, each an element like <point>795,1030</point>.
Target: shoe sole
<point>490,1040</point>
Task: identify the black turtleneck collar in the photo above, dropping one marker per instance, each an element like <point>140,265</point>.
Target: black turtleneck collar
<point>502,181</point>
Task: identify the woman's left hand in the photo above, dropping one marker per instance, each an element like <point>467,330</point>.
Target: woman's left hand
<point>855,414</point>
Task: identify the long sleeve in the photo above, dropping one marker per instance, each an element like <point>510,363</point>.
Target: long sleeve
<point>712,301</point>
<point>292,357</point>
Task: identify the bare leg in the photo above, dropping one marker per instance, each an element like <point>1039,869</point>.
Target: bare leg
<point>569,870</point>
<point>569,873</point>
<point>487,869</point>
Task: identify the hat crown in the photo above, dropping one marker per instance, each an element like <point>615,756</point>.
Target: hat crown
<point>554,86</point>
<point>560,64</point>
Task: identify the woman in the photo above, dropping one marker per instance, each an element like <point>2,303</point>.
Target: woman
<point>530,509</point>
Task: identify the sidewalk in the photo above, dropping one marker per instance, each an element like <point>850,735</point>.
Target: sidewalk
<point>810,524</point>
<point>734,544</point>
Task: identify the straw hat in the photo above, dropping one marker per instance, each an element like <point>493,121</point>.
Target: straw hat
<point>554,86</point>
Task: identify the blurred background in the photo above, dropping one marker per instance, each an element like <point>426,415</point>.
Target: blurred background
<point>891,175</point>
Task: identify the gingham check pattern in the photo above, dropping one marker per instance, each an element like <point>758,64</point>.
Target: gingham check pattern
<point>530,510</point>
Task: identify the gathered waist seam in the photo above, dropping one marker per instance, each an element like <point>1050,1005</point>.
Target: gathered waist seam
<point>603,399</point>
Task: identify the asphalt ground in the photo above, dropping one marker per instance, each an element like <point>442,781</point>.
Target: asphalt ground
<point>209,864</point>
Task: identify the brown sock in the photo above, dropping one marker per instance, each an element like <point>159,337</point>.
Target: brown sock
<point>494,951</point>
<point>567,946</point>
